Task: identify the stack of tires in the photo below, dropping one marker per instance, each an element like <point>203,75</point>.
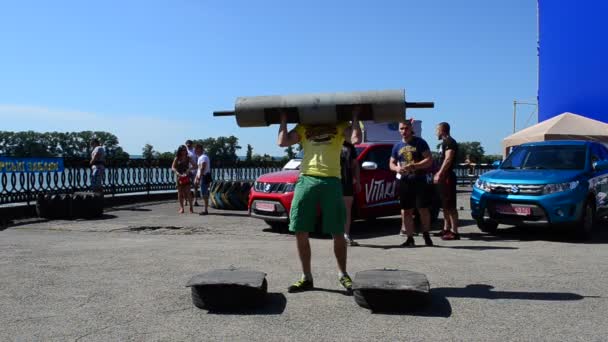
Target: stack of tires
<point>229,195</point>
<point>85,205</point>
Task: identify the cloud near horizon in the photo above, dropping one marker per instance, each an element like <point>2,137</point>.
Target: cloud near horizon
<point>133,131</point>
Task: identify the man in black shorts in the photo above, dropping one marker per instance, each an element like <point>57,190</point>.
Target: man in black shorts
<point>410,159</point>
<point>445,179</point>
<point>350,184</point>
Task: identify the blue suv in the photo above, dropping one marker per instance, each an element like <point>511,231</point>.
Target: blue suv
<point>545,183</point>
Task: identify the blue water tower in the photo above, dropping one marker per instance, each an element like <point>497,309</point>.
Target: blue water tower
<point>573,58</point>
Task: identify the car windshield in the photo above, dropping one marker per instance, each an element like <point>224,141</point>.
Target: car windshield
<point>546,157</point>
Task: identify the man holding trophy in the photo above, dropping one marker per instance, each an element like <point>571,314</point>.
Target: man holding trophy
<point>411,159</point>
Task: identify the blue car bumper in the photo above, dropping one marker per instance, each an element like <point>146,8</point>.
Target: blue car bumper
<point>557,208</point>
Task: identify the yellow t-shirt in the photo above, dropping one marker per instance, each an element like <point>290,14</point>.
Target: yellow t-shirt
<point>322,145</point>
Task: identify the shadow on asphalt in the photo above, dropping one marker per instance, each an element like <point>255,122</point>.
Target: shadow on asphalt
<point>483,291</point>
<point>130,209</point>
<point>320,289</point>
<point>362,230</point>
<point>472,248</point>
<point>11,224</point>
<point>240,213</point>
<point>552,234</point>
<point>439,306</point>
<point>274,305</point>
<point>101,218</point>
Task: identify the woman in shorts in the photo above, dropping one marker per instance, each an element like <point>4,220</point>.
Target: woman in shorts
<point>182,164</point>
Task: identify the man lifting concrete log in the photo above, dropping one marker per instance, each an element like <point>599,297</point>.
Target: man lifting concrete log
<point>319,185</point>
<point>323,121</point>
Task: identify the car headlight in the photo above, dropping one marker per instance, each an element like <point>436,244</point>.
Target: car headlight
<point>482,185</point>
<point>559,187</point>
<point>289,187</point>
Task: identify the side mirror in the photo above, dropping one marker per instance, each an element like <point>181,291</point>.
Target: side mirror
<point>368,165</point>
<point>600,165</point>
<point>496,164</point>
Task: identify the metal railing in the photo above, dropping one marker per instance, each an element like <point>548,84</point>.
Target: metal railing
<point>22,187</point>
<point>137,177</point>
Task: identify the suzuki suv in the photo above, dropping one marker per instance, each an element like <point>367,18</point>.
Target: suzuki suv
<point>545,183</point>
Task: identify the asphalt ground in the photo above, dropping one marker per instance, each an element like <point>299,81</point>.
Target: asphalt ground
<point>123,277</point>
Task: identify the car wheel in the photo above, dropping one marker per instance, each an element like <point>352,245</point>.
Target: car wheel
<point>587,221</point>
<point>487,226</point>
<point>278,226</point>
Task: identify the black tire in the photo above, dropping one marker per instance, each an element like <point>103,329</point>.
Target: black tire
<point>87,205</point>
<point>487,226</point>
<point>360,300</point>
<point>586,223</point>
<point>229,297</point>
<point>59,206</point>
<point>391,300</point>
<point>43,208</point>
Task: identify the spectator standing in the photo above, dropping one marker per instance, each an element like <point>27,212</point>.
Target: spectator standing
<point>411,159</point>
<point>97,163</point>
<point>445,179</point>
<point>192,174</point>
<point>182,164</point>
<point>203,176</point>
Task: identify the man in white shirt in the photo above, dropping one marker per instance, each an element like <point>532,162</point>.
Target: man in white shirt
<point>203,175</point>
<point>97,163</point>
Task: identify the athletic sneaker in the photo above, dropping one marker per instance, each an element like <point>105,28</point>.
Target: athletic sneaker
<point>427,239</point>
<point>347,283</point>
<point>301,286</point>
<point>409,242</point>
<point>352,242</point>
<point>451,236</point>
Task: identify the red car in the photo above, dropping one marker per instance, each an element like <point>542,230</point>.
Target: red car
<point>270,197</point>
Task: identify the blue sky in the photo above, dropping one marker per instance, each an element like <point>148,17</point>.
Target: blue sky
<point>154,71</point>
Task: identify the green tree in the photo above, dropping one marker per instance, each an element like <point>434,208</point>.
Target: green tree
<point>221,150</point>
<point>57,144</point>
<point>290,152</point>
<point>471,148</point>
<point>148,152</point>
<point>166,155</point>
<point>490,158</point>
<point>249,154</point>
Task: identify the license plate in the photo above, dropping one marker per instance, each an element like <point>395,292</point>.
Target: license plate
<point>264,206</point>
<point>513,210</point>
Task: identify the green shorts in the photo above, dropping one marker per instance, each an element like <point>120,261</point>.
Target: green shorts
<point>312,193</point>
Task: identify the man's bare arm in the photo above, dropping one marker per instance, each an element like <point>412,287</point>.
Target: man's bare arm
<point>286,138</point>
<point>424,164</point>
<point>393,165</point>
<point>353,132</point>
<point>450,155</point>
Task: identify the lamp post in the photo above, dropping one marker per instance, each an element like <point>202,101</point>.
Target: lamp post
<point>515,103</point>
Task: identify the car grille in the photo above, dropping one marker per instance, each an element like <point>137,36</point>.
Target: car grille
<point>516,189</point>
<point>270,187</point>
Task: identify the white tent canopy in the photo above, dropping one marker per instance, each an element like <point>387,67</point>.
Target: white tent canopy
<point>561,127</point>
